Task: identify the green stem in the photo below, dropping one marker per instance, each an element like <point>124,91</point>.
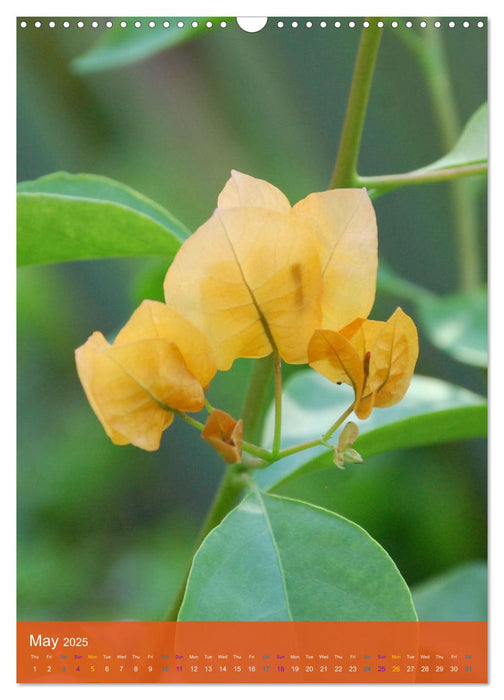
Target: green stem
<point>188,419</point>
<point>277,436</point>
<point>433,62</point>
<point>430,52</point>
<point>299,448</point>
<point>345,168</point>
<point>266,456</point>
<point>437,75</point>
<point>231,486</point>
<point>257,394</point>
<point>234,480</point>
<point>257,451</point>
<point>418,177</point>
<point>319,441</point>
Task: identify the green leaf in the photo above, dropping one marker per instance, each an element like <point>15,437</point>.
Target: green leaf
<point>463,423</point>
<point>122,46</point>
<point>64,217</point>
<point>460,594</point>
<point>432,412</point>
<point>274,558</point>
<point>472,146</point>
<point>457,324</point>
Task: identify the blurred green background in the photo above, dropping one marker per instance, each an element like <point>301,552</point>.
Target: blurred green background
<point>104,532</point>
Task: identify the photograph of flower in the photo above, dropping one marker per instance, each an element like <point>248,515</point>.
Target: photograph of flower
<point>252,319</point>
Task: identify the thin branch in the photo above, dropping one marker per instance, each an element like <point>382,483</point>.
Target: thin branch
<point>345,168</point>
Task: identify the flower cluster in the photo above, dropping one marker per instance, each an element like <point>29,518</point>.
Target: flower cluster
<point>258,277</point>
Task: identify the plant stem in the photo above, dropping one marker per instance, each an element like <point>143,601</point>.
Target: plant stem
<point>258,451</point>
<point>231,486</point>
<point>299,448</point>
<point>435,67</point>
<point>277,436</point>
<point>235,476</point>
<point>257,393</point>
<point>188,419</point>
<point>418,177</point>
<point>430,53</point>
<point>319,441</point>
<point>345,168</point>
<point>265,455</point>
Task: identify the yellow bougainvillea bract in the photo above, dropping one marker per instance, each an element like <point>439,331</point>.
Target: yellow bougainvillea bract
<point>158,363</point>
<point>377,358</point>
<point>261,275</point>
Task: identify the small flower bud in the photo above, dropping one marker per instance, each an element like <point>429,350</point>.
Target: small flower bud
<point>348,436</point>
<point>352,456</point>
<point>343,452</point>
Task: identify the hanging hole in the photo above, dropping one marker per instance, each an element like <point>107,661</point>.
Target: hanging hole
<point>252,24</point>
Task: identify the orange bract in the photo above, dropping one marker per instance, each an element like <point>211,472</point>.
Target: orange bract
<point>157,364</point>
<point>225,434</point>
<point>376,358</point>
<point>260,275</point>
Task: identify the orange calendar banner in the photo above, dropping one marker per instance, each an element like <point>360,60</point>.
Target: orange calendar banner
<point>252,349</point>
<point>252,652</point>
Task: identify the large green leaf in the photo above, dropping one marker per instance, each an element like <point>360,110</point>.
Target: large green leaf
<point>460,594</point>
<point>457,324</point>
<point>274,558</point>
<point>432,412</point>
<point>64,217</point>
<point>122,46</point>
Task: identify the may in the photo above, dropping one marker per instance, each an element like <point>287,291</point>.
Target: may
<point>41,641</point>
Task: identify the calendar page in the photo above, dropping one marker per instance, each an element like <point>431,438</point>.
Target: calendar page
<point>252,350</point>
